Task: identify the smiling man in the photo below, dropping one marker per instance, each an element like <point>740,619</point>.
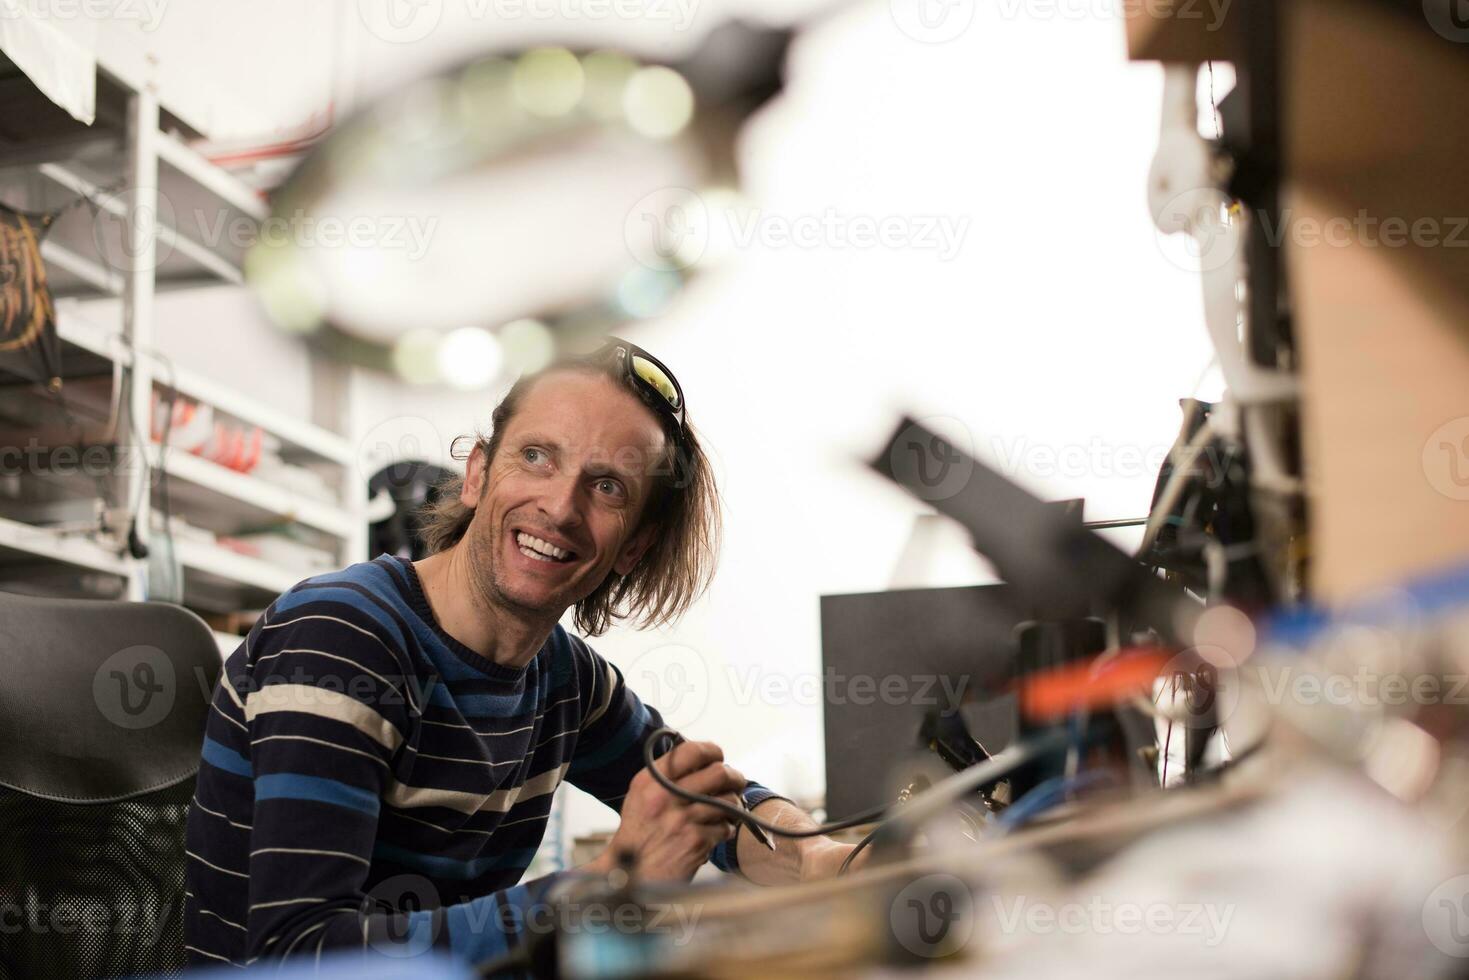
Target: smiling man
<point>400,728</point>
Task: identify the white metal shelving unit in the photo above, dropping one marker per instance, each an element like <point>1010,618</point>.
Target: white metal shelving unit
<point>147,173</point>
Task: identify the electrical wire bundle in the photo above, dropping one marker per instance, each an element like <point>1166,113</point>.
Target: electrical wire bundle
<point>891,819</point>
<point>1226,517</point>
<point>27,311</point>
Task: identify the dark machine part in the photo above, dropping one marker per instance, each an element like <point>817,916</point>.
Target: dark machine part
<point>1215,506</point>
<point>1056,567</point>
<point>412,485</point>
<point>1201,687</point>
<point>1215,509</point>
<point>1252,127</point>
<point>1046,645</point>
<point>1055,564</point>
<point>952,648</point>
<point>945,733</point>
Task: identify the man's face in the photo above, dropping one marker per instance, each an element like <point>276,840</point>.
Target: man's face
<point>571,476</point>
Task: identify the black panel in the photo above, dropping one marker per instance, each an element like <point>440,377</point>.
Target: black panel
<point>922,644</point>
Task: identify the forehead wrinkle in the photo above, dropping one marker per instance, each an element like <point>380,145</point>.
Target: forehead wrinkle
<point>601,424</point>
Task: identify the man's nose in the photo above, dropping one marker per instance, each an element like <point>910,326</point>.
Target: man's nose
<point>561,501</point>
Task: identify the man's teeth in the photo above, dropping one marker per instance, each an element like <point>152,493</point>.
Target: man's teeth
<point>534,547</point>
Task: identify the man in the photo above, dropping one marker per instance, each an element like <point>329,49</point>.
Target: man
<point>402,726</point>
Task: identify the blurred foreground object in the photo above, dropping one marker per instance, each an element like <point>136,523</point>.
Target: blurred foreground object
<point>1355,175</point>
<point>477,217</point>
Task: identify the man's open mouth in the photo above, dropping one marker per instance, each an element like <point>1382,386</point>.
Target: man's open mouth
<point>542,550</point>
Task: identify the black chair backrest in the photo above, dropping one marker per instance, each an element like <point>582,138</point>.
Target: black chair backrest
<point>102,712</point>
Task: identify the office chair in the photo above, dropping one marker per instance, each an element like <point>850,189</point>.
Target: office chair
<point>102,710</point>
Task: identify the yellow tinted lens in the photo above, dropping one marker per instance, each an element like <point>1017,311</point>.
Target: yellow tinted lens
<point>656,377</point>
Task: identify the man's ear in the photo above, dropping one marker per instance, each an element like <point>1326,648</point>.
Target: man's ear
<point>476,472</point>
<point>636,545</point>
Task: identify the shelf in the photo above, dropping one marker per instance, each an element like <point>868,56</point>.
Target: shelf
<point>224,186</point>
<point>206,220</point>
<point>212,571</point>
<point>302,437</point>
<point>182,259</point>
<point>310,439</point>
<point>207,216</point>
<point>78,331</point>
<point>100,277</point>
<point>67,549</point>
<point>246,501</point>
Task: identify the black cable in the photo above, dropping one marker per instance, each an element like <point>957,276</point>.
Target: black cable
<point>861,846</point>
<point>738,813</point>
<point>953,788</point>
<point>142,435</point>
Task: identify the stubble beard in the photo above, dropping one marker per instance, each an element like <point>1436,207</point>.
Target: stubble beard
<point>485,575</point>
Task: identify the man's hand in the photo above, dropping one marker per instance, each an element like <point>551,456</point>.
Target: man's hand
<point>671,837</point>
<point>794,858</point>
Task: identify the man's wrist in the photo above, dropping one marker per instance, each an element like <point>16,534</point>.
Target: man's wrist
<point>820,857</point>
<point>824,858</point>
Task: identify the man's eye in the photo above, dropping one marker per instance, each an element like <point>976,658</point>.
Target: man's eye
<point>532,455</point>
<point>609,486</point>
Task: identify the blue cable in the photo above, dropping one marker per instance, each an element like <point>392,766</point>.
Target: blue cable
<point>1052,792</point>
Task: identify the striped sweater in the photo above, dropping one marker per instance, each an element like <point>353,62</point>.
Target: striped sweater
<point>368,780</point>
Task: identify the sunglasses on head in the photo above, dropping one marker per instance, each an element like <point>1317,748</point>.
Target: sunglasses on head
<point>645,375</point>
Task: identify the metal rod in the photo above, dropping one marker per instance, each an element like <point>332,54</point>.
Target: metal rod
<point>1120,522</point>
<point>140,233</point>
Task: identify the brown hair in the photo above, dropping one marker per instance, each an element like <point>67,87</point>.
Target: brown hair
<point>684,504</point>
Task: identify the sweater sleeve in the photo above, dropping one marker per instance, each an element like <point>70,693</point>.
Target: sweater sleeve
<point>615,726</point>
<point>327,712</point>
